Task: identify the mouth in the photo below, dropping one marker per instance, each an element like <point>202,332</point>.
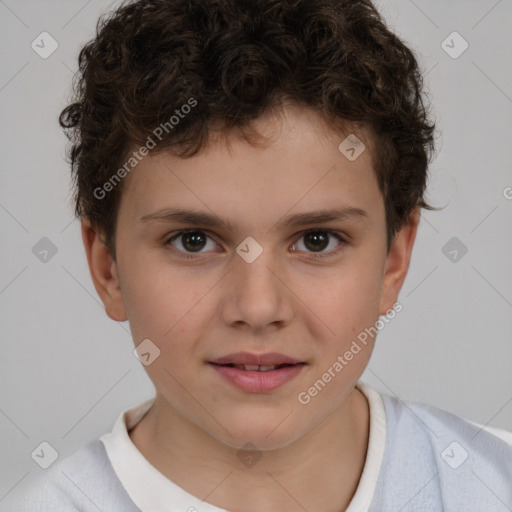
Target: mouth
<point>257,373</point>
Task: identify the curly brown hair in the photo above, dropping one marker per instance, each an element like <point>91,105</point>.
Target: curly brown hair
<point>233,61</point>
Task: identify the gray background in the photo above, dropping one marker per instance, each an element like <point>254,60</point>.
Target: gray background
<point>67,370</point>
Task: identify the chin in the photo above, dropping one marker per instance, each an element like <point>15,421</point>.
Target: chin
<point>265,432</point>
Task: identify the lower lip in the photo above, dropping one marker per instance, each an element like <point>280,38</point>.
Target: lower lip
<point>256,381</point>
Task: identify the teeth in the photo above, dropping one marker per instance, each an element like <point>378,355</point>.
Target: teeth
<point>267,368</point>
<point>254,367</point>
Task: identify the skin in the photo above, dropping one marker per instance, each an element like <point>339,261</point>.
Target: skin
<point>196,310</point>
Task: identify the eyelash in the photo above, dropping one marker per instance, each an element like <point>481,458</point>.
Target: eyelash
<point>311,256</point>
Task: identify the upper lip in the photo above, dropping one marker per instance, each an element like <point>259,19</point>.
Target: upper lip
<point>246,358</point>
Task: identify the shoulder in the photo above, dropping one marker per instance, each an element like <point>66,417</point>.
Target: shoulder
<point>504,435</point>
<point>447,460</point>
<point>436,425</point>
<point>83,481</point>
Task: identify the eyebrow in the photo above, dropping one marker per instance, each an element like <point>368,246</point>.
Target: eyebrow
<point>199,218</point>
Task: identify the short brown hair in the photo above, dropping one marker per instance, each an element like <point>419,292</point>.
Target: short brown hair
<point>235,60</point>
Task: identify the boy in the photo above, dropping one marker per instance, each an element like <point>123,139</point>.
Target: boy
<point>249,175</point>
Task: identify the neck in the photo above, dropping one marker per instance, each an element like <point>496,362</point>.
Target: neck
<point>319,471</point>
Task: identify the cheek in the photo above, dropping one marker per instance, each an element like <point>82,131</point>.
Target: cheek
<point>171,309</point>
<point>349,306</point>
<point>346,300</point>
<point>166,308</point>
<point>157,294</point>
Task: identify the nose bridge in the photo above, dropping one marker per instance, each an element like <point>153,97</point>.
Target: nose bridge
<point>255,267</point>
<point>258,296</point>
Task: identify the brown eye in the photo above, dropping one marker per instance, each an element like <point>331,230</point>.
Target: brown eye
<point>194,241</point>
<point>190,241</point>
<point>317,241</point>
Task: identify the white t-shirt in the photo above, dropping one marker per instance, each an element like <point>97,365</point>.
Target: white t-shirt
<point>419,458</point>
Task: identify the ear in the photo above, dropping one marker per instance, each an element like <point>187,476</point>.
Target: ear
<point>397,262</point>
<point>103,272</point>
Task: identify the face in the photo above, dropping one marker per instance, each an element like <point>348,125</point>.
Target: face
<point>255,276</point>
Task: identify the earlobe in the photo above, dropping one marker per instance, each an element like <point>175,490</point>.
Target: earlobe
<point>397,262</point>
<point>103,271</point>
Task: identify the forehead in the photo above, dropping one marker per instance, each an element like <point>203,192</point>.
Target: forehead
<point>304,164</point>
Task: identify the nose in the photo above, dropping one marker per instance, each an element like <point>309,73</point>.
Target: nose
<point>257,295</point>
